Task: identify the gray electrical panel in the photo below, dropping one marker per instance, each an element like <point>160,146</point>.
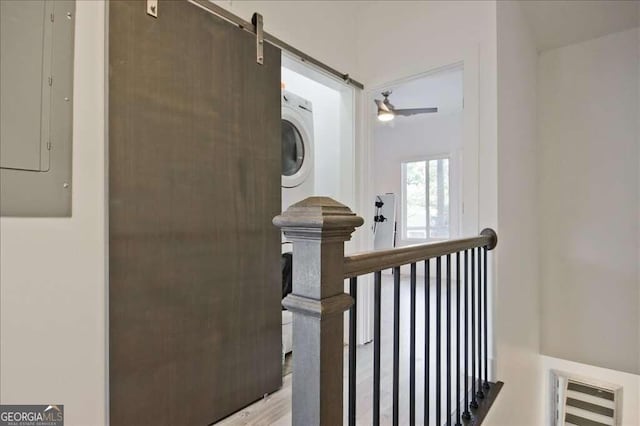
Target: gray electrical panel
<point>36,111</point>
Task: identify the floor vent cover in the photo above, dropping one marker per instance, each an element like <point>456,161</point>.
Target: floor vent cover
<point>585,402</point>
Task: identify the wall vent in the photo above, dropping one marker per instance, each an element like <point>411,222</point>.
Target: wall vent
<point>581,401</point>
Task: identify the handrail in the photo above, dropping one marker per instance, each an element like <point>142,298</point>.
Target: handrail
<point>373,261</point>
<point>318,228</point>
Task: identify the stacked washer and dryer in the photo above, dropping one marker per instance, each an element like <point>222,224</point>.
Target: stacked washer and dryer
<point>297,172</point>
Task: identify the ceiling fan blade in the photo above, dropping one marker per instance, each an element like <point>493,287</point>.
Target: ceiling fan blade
<point>383,106</point>
<point>413,111</point>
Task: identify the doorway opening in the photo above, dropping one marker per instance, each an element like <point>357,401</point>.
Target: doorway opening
<point>442,204</point>
<point>417,154</point>
<point>318,121</point>
<point>318,135</point>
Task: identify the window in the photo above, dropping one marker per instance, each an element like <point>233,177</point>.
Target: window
<point>425,201</point>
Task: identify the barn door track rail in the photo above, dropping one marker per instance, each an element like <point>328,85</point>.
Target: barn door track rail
<point>255,27</point>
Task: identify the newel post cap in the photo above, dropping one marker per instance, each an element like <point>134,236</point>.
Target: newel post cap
<point>318,218</point>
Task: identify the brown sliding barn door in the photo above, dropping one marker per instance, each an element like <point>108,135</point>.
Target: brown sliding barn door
<point>194,181</point>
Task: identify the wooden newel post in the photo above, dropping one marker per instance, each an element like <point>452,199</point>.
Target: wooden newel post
<point>318,228</point>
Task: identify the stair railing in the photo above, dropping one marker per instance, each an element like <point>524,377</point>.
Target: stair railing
<point>318,228</point>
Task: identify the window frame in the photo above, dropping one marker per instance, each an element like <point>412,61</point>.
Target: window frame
<point>403,199</point>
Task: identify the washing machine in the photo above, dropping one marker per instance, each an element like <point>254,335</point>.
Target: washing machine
<point>297,149</point>
<point>297,173</point>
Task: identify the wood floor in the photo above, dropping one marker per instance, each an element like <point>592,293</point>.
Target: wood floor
<point>275,409</point>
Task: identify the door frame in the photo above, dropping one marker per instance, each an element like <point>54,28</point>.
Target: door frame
<point>468,164</point>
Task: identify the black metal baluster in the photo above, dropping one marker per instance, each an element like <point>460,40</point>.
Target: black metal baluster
<point>480,394</point>
<point>396,344</point>
<point>486,322</point>
<point>377,283</point>
<point>457,338</point>
<point>438,339</point>
<point>427,338</point>
<point>474,402</point>
<point>448,403</point>
<point>466,414</point>
<point>412,350</point>
<point>353,314</point>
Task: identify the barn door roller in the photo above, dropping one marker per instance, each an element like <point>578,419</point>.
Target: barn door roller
<point>152,8</point>
<point>256,20</point>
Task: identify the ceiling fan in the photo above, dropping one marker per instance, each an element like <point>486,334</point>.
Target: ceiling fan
<point>387,112</point>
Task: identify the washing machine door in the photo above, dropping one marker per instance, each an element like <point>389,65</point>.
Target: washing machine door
<point>297,149</point>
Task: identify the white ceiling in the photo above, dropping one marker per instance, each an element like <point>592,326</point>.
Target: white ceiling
<point>442,89</point>
<point>559,23</point>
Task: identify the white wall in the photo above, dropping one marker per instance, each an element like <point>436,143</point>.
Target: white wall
<point>516,297</point>
<point>53,292</point>
<point>553,150</point>
<point>589,206</point>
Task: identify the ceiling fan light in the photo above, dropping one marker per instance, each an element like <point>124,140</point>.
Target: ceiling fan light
<point>385,115</point>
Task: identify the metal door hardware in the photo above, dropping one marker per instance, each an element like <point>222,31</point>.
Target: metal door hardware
<point>257,22</point>
<point>152,8</point>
